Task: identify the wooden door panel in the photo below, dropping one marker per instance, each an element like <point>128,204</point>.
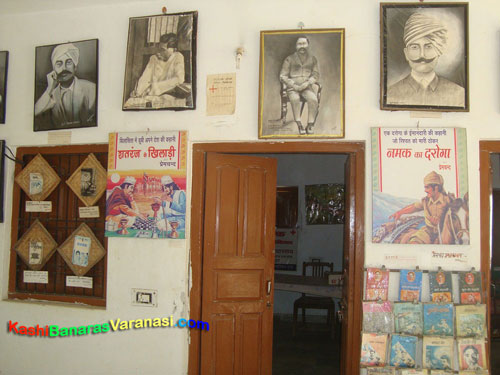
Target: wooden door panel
<point>238,263</point>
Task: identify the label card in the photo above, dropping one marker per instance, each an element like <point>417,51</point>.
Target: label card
<point>38,206</point>
<point>38,277</point>
<point>79,281</point>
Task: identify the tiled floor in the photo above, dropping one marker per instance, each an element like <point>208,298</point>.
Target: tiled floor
<point>312,351</point>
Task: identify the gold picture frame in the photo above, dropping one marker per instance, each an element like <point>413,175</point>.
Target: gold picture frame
<point>88,181</point>
<point>49,179</point>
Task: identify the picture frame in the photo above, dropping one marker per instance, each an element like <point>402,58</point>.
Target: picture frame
<point>4,63</point>
<point>424,57</point>
<point>38,179</point>
<point>285,96</point>
<point>88,181</point>
<point>160,70</point>
<point>66,85</point>
<point>325,204</point>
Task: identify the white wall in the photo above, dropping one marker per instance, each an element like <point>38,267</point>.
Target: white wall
<point>224,25</point>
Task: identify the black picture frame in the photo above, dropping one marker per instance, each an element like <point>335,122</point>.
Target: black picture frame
<point>156,80</point>
<point>2,177</point>
<point>4,63</point>
<point>80,110</point>
<point>440,81</point>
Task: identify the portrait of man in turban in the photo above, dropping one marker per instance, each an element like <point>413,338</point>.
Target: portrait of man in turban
<point>425,66</point>
<point>65,88</point>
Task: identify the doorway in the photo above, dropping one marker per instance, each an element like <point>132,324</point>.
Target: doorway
<point>353,252</point>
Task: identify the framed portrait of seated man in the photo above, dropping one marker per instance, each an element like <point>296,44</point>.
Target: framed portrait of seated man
<point>424,57</point>
<point>66,85</point>
<point>301,85</point>
<point>160,72</point>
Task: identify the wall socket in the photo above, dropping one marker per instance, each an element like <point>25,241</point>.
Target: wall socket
<point>144,297</point>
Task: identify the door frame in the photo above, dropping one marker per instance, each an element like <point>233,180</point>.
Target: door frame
<point>355,150</point>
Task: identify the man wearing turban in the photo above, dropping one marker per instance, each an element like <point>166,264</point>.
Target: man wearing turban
<point>435,206</point>
<point>68,101</point>
<point>425,41</point>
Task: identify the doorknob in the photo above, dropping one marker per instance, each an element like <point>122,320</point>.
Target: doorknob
<point>268,287</point>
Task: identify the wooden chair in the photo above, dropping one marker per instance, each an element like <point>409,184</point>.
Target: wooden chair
<point>285,101</point>
<point>318,269</point>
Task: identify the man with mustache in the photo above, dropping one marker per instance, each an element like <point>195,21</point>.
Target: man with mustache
<point>300,74</point>
<point>68,101</point>
<point>425,41</point>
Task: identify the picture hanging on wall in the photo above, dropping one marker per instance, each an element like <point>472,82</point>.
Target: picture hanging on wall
<point>424,57</point>
<point>4,62</point>
<point>66,85</point>
<point>160,72</point>
<point>301,85</point>
<point>325,204</point>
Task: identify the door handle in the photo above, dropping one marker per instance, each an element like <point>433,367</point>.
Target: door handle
<point>268,287</point>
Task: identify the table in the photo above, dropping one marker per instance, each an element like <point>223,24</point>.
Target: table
<point>307,284</point>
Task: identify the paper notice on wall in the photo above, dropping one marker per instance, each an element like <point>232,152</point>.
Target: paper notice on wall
<point>221,94</point>
<point>286,245</point>
<point>38,277</point>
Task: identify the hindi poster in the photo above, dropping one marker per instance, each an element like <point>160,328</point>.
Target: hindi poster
<point>286,245</point>
<point>146,187</point>
<point>420,186</point>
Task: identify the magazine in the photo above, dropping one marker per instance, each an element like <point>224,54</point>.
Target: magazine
<point>471,320</point>
<point>377,284</point>
<point>438,319</point>
<point>408,318</point>
<point>403,351</point>
<point>472,354</point>
<point>412,371</point>
<point>373,349</point>
<point>380,371</point>
<point>477,372</point>
<point>441,372</point>
<point>377,317</point>
<point>440,286</point>
<point>410,285</point>
<point>438,353</point>
<point>469,287</point>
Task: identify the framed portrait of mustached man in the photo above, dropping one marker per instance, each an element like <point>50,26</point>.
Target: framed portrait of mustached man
<point>424,57</point>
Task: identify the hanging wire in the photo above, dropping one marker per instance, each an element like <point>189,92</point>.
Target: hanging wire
<point>12,157</point>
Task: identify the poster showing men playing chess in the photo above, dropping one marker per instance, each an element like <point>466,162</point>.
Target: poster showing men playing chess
<point>146,186</point>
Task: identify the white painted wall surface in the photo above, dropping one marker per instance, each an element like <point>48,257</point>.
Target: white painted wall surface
<point>223,26</point>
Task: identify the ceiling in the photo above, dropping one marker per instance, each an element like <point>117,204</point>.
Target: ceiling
<point>35,6</point>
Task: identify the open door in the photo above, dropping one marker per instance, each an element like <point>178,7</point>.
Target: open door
<point>238,264</point>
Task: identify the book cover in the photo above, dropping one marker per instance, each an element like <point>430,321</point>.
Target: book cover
<point>472,354</point>
<point>438,319</point>
<point>470,288</point>
<point>373,349</point>
<point>410,285</point>
<point>441,372</point>
<point>412,371</point>
<point>408,318</point>
<point>377,284</point>
<point>471,320</point>
<point>378,317</point>
<point>403,351</point>
<point>438,352</point>
<point>477,372</point>
<point>380,370</point>
<point>440,286</point>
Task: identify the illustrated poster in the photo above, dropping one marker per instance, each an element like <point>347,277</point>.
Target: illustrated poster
<point>146,187</point>
<point>420,187</point>
<point>285,247</point>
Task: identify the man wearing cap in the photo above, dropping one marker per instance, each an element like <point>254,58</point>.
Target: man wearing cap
<point>173,201</point>
<point>300,74</point>
<point>163,73</point>
<point>435,205</point>
<point>68,101</point>
<point>121,200</point>
<point>425,40</point>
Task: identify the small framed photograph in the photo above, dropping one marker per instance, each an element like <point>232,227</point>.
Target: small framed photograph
<point>4,62</point>
<point>66,85</point>
<point>160,72</point>
<point>424,57</point>
<point>301,85</point>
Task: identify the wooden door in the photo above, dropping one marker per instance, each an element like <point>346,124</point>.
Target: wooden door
<point>238,265</point>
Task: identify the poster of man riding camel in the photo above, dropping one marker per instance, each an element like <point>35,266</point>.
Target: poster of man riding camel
<point>420,187</point>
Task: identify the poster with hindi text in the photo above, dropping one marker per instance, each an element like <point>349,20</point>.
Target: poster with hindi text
<point>146,186</point>
<point>420,188</point>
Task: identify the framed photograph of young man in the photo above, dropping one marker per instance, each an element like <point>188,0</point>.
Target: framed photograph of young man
<point>160,72</point>
<point>4,61</point>
<point>424,57</point>
<point>66,85</point>
<point>301,85</point>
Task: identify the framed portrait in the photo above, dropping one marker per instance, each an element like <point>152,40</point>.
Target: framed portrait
<point>301,85</point>
<point>424,57</point>
<point>4,62</point>
<point>160,72</point>
<point>66,85</point>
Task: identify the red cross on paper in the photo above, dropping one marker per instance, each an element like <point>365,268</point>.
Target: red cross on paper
<point>213,88</point>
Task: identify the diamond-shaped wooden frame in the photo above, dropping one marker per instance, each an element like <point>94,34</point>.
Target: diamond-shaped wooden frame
<point>74,182</point>
<point>96,251</point>
<point>50,178</point>
<point>36,232</point>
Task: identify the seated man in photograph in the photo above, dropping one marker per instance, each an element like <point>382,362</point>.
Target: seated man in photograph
<point>425,40</point>
<point>68,101</point>
<point>162,81</point>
